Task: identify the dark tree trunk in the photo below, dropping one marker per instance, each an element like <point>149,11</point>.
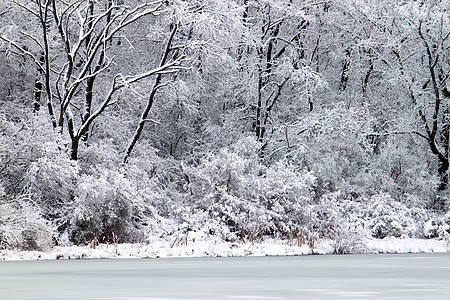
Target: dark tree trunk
<point>38,87</point>
<point>90,81</point>
<point>445,132</point>
<point>87,105</point>
<point>443,175</point>
<point>74,149</point>
<point>151,97</point>
<point>259,129</point>
<point>37,95</point>
<point>368,73</point>
<point>345,70</point>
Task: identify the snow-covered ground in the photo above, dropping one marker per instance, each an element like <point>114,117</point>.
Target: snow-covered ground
<point>166,248</point>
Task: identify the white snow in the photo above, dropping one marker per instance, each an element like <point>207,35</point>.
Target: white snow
<point>407,245</point>
<point>217,248</point>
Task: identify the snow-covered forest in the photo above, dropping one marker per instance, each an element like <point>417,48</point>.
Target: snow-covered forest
<point>239,120</point>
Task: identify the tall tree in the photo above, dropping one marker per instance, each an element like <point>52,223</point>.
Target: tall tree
<point>75,38</point>
<point>279,63</point>
<point>151,98</point>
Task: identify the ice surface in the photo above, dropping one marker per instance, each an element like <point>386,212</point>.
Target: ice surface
<point>369,276</point>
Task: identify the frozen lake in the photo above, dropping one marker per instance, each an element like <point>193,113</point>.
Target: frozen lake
<point>412,276</point>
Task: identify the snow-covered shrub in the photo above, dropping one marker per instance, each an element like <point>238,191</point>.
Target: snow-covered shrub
<point>437,227</point>
<point>22,225</point>
<point>161,184</point>
<point>22,141</point>
<point>384,216</point>
<point>331,142</point>
<point>34,162</point>
<point>97,155</point>
<point>244,218</point>
<point>347,222</point>
<point>145,197</point>
<point>103,209</point>
<point>346,239</point>
<point>348,151</point>
<point>234,186</point>
<point>286,190</point>
<point>332,219</point>
<point>434,228</point>
<point>402,172</point>
<point>51,180</point>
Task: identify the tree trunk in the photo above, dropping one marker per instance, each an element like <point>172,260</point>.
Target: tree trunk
<point>443,176</point>
<point>259,129</point>
<point>74,149</point>
<point>445,132</point>
<point>90,81</point>
<point>151,97</point>
<point>37,95</point>
<point>87,105</point>
<point>43,18</point>
<point>38,87</point>
<point>368,73</point>
<point>345,70</point>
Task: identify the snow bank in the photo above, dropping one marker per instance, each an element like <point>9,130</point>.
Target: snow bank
<point>166,248</point>
<point>407,245</point>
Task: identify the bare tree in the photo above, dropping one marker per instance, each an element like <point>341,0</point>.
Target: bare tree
<point>436,62</point>
<point>280,37</point>
<point>75,39</point>
<point>423,63</point>
<point>151,97</point>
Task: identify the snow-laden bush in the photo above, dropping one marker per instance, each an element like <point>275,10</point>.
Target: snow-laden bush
<point>331,219</point>
<point>161,185</point>
<point>347,222</point>
<point>332,142</point>
<point>382,216</point>
<point>51,180</point>
<point>125,204</point>
<point>437,227</point>
<point>22,225</point>
<point>348,151</point>
<point>103,209</point>
<point>253,200</point>
<point>404,173</point>
<point>22,142</point>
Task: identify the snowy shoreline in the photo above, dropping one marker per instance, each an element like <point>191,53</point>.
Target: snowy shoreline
<point>164,249</point>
